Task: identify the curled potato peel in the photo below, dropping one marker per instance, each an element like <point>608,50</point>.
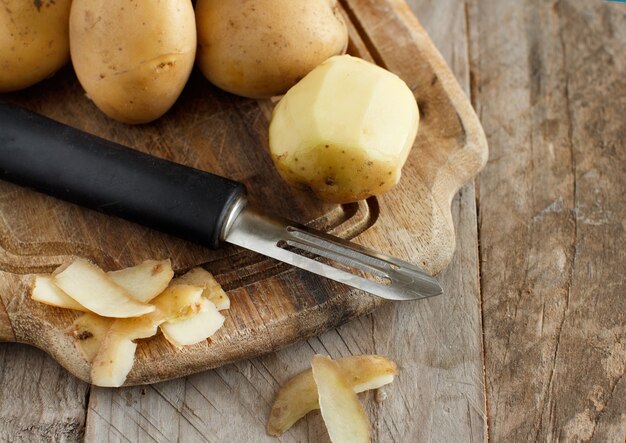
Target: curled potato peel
<point>298,396</point>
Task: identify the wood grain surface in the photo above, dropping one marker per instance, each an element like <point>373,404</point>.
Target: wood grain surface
<point>547,81</point>
<point>550,90</point>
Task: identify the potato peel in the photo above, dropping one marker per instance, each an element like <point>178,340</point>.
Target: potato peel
<point>117,312</point>
<point>116,355</point>
<point>298,396</point>
<point>178,301</point>
<point>194,329</point>
<point>343,414</point>
<point>114,359</point>
<point>89,331</point>
<point>212,289</point>
<point>146,280</point>
<point>91,287</point>
<point>45,291</point>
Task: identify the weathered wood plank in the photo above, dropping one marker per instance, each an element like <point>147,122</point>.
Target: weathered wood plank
<point>39,400</point>
<point>439,394</point>
<point>437,343</point>
<point>551,93</point>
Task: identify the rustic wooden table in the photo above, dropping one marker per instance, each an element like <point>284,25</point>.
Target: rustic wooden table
<point>528,344</point>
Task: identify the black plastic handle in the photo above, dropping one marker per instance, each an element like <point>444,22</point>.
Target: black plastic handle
<point>72,165</point>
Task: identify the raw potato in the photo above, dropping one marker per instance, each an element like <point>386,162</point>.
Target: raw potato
<point>133,57</point>
<point>298,396</point>
<point>45,291</point>
<point>343,414</point>
<point>345,130</point>
<point>89,331</point>
<point>212,289</point>
<point>146,280</point>
<point>91,287</point>
<point>260,48</point>
<point>195,328</point>
<point>34,41</point>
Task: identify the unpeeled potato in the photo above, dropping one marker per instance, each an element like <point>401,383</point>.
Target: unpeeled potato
<point>260,48</point>
<point>133,57</point>
<point>33,41</point>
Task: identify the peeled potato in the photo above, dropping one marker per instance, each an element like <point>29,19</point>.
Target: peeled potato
<point>133,57</point>
<point>260,48</point>
<point>298,396</point>
<point>345,130</point>
<point>34,41</point>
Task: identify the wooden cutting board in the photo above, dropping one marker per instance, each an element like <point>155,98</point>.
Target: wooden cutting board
<point>273,304</point>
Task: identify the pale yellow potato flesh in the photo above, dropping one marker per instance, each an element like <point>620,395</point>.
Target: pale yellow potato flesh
<point>45,291</point>
<point>146,280</point>
<point>345,130</point>
<point>298,396</point>
<point>212,289</point>
<point>92,288</point>
<point>343,414</point>
<point>195,328</point>
<point>89,331</point>
<point>260,48</point>
<point>133,58</point>
<point>34,41</point>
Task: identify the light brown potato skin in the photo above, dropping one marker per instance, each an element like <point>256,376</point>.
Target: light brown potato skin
<point>260,48</point>
<point>34,41</point>
<point>133,57</point>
